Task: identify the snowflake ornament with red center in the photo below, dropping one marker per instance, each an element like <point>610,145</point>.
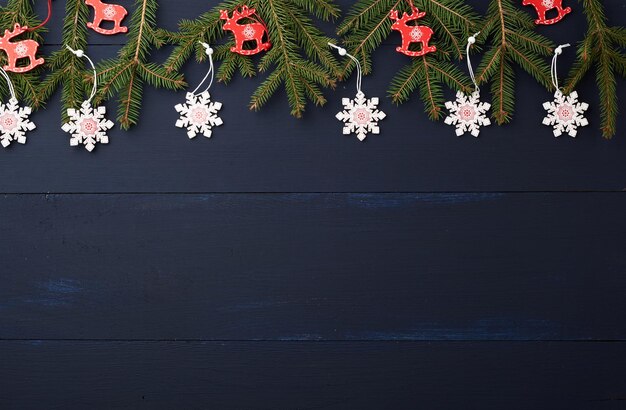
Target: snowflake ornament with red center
<point>565,113</point>
<point>14,122</point>
<point>199,113</point>
<point>468,113</point>
<point>360,115</point>
<point>87,125</point>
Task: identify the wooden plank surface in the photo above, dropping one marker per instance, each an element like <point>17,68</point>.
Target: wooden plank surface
<point>297,375</point>
<point>314,266</point>
<point>283,265</point>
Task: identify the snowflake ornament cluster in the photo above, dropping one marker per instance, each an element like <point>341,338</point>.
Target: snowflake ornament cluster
<point>468,113</point>
<point>199,115</point>
<point>88,126</point>
<point>360,116</point>
<point>14,123</point>
<point>565,114</point>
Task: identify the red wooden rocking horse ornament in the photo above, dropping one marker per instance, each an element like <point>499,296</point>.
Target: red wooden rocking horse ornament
<point>22,49</point>
<point>255,31</point>
<point>107,12</point>
<point>412,33</point>
<point>543,6</point>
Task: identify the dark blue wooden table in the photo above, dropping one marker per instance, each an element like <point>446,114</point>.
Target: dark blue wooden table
<point>283,265</point>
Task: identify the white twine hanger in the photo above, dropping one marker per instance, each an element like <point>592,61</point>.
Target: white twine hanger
<point>555,75</point>
<point>80,54</point>
<point>211,72</point>
<point>470,41</point>
<point>9,83</point>
<point>359,72</point>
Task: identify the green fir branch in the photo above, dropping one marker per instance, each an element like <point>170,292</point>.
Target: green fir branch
<point>299,59</point>
<point>602,48</point>
<point>26,84</point>
<point>65,70</point>
<point>511,41</point>
<point>126,75</point>
<point>368,25</point>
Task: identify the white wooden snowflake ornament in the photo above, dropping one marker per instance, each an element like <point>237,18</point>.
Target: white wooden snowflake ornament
<point>88,126</point>
<point>565,114</point>
<point>360,116</point>
<point>199,114</point>
<point>14,123</point>
<point>468,113</point>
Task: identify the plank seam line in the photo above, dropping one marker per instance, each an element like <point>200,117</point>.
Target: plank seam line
<point>314,192</point>
<point>312,341</point>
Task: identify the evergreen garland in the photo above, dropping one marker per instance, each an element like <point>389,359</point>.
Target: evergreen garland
<point>511,40</point>
<point>67,71</point>
<point>603,48</point>
<point>301,62</point>
<point>299,59</point>
<point>125,75</point>
<point>26,84</point>
<point>368,25</point>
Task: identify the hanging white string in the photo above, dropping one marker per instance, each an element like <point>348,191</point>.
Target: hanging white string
<point>80,54</point>
<point>359,73</point>
<point>211,72</point>
<point>470,42</point>
<point>9,82</point>
<point>554,72</point>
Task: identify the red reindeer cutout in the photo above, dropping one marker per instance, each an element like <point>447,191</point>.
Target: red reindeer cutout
<point>412,33</point>
<point>543,6</point>
<point>107,12</point>
<point>246,32</point>
<point>21,49</point>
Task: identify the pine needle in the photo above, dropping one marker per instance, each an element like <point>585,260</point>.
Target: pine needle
<point>511,41</point>
<point>126,75</point>
<point>602,48</point>
<point>299,59</point>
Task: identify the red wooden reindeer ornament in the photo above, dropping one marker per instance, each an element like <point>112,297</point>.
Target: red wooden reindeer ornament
<point>107,12</point>
<point>255,31</point>
<point>412,33</point>
<point>543,6</point>
<point>22,49</point>
<point>18,50</point>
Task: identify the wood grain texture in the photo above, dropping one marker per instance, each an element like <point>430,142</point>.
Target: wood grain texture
<point>244,272</point>
<point>314,267</point>
<point>268,151</point>
<point>297,375</point>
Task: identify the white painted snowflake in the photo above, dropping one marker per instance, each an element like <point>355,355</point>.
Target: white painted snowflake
<point>14,123</point>
<point>88,126</point>
<point>109,12</point>
<point>199,114</point>
<point>360,116</point>
<point>468,113</point>
<point>565,114</point>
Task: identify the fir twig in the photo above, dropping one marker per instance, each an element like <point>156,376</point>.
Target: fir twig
<point>126,75</point>
<point>299,59</point>
<point>368,25</point>
<point>603,48</point>
<point>511,40</point>
<point>26,84</point>
<point>67,71</point>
